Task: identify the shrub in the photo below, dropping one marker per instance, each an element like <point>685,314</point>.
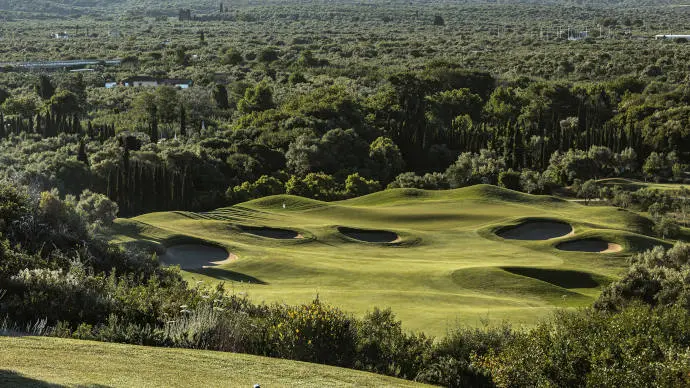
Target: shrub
<point>666,227</point>
<point>509,179</point>
<point>313,332</point>
<point>383,347</point>
<point>355,186</point>
<point>456,357</point>
<point>655,277</point>
<point>588,190</point>
<point>531,181</point>
<point>97,208</point>
<point>637,347</point>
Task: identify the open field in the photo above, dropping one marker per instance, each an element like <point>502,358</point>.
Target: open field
<point>447,265</point>
<point>45,362</point>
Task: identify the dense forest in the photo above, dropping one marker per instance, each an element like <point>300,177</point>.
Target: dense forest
<point>443,103</point>
<point>333,100</point>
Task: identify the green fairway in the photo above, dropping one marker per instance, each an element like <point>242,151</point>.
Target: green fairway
<point>447,266</point>
<point>633,185</point>
<point>43,362</point>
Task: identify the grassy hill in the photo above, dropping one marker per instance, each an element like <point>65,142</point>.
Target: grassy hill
<point>448,265</point>
<point>44,362</point>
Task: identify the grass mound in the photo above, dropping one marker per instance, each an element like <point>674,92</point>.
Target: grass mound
<point>536,230</point>
<point>560,277</point>
<point>591,245</point>
<point>370,236</point>
<point>485,193</point>
<point>499,281</point>
<point>195,256</point>
<point>285,202</point>
<point>274,233</point>
<point>94,364</point>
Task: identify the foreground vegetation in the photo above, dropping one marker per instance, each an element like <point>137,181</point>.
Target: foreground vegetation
<point>85,363</point>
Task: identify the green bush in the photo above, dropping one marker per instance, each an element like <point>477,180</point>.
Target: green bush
<point>383,346</point>
<point>637,347</point>
<point>313,332</point>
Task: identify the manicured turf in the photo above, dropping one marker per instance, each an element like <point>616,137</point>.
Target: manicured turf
<point>447,267</point>
<point>43,362</point>
<point>633,185</point>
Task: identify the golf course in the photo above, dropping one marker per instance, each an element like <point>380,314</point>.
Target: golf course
<point>437,258</point>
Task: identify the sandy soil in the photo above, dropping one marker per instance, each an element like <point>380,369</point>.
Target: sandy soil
<point>613,248</point>
<point>537,230</point>
<point>371,236</point>
<point>196,256</point>
<point>590,245</point>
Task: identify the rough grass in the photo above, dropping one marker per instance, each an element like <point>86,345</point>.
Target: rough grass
<point>49,362</point>
<point>443,235</point>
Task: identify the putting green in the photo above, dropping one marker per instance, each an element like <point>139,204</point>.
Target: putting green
<point>448,264</point>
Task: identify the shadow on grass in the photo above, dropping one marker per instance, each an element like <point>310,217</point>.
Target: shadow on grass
<point>10,378</point>
<point>559,277</point>
<point>273,233</point>
<point>227,275</point>
<point>371,236</point>
<point>535,230</point>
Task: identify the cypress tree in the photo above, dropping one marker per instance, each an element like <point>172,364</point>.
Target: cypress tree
<point>81,155</point>
<point>153,130</point>
<point>76,125</point>
<point>44,88</point>
<point>183,121</point>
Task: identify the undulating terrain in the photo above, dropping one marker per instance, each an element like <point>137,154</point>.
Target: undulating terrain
<point>446,264</point>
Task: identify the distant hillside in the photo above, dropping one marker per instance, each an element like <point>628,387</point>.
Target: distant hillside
<point>115,7</point>
<point>171,7</point>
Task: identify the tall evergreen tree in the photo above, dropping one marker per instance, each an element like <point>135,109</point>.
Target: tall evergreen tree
<point>81,155</point>
<point>183,121</point>
<point>220,95</point>
<point>44,87</point>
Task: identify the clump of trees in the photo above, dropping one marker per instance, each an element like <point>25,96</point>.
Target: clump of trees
<point>208,145</point>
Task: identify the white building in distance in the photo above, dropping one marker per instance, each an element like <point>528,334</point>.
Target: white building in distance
<point>672,37</point>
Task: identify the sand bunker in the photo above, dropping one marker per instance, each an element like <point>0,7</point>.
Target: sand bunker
<point>536,230</point>
<point>592,245</point>
<point>371,236</point>
<point>196,256</point>
<point>274,233</point>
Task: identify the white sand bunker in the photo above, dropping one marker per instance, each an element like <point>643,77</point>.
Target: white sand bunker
<point>274,233</point>
<point>536,230</point>
<point>592,245</point>
<point>196,256</point>
<point>371,236</point>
